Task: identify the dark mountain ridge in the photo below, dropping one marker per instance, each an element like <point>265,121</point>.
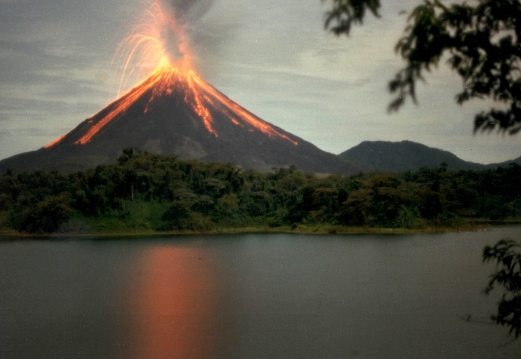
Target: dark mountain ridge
<point>410,156</point>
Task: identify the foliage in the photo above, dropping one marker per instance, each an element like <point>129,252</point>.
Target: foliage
<point>347,12</point>
<point>46,216</point>
<point>157,192</point>
<point>37,202</point>
<point>481,42</point>
<point>507,255</point>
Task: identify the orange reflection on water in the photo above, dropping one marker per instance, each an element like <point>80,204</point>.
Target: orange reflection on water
<point>175,305</point>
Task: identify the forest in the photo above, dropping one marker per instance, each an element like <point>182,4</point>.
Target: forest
<point>145,191</point>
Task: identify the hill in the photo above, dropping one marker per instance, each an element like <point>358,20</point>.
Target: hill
<point>409,156</point>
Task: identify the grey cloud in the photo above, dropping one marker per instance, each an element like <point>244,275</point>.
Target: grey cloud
<point>254,33</point>
<point>34,131</point>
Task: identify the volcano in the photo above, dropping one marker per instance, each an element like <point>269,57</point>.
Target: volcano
<point>175,111</point>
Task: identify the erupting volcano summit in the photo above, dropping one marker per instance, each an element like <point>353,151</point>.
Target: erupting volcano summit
<point>175,111</point>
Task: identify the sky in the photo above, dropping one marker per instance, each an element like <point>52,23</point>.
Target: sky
<point>58,67</point>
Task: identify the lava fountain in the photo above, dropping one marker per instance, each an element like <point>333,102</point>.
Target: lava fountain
<point>159,47</point>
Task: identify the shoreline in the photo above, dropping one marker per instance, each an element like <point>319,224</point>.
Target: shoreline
<point>10,234</point>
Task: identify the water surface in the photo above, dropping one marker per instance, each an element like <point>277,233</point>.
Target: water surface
<point>252,296</point>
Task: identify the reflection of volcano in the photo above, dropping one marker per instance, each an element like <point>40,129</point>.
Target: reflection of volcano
<point>173,306</point>
<point>175,111</point>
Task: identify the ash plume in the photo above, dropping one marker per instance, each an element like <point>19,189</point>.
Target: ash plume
<point>189,11</point>
<point>201,35</point>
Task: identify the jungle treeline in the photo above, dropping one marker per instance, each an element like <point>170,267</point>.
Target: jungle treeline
<point>163,193</point>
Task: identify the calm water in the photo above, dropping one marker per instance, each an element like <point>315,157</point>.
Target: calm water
<point>251,296</point>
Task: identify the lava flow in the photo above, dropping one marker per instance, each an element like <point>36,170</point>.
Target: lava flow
<point>172,70</point>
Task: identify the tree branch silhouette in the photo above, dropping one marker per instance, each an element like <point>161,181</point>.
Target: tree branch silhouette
<point>481,41</point>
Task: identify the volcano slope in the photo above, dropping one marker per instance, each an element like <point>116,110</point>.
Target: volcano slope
<point>179,113</point>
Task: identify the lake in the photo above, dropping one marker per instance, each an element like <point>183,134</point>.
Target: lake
<point>252,296</point>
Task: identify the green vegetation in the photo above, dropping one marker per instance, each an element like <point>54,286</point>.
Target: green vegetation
<point>148,193</point>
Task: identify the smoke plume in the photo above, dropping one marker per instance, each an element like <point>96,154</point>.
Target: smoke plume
<point>189,11</point>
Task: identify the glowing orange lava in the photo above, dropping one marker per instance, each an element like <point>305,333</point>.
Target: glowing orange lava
<point>54,142</point>
<point>171,70</point>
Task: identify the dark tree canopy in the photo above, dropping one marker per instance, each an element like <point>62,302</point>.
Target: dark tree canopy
<point>480,39</point>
